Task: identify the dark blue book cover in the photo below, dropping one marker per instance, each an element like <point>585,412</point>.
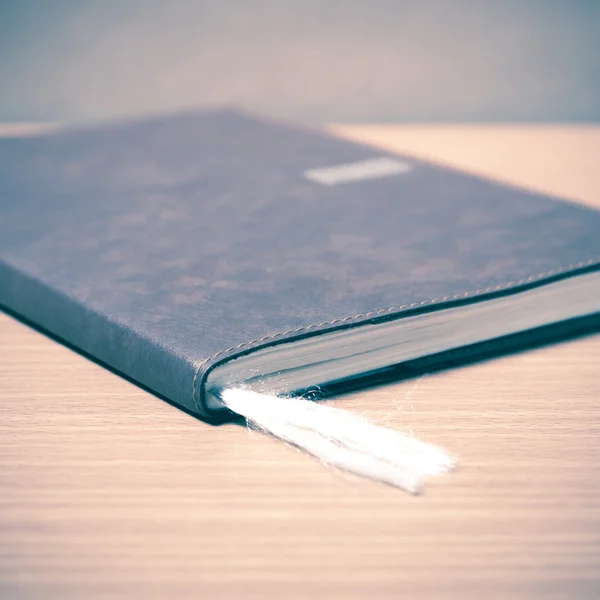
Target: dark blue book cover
<point>165,247</point>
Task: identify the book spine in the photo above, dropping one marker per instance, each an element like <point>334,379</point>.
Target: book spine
<point>102,338</point>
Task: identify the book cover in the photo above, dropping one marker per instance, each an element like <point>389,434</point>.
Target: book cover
<point>171,247</point>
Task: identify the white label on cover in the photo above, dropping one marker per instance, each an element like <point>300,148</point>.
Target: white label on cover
<point>372,168</point>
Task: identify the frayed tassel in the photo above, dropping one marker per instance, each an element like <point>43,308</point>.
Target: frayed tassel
<point>342,439</point>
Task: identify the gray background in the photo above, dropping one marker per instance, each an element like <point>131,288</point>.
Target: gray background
<point>315,60</point>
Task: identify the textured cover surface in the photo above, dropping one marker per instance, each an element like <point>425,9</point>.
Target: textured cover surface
<point>166,246</point>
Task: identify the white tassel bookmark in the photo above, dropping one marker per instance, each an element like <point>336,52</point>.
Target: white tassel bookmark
<point>341,439</point>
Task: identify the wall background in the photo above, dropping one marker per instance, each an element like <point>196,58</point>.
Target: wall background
<point>315,60</point>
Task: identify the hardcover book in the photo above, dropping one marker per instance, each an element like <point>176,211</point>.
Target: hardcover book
<point>206,251</point>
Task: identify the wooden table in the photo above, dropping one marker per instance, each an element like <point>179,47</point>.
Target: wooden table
<point>106,491</point>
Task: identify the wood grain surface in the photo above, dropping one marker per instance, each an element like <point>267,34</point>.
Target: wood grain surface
<point>107,491</point>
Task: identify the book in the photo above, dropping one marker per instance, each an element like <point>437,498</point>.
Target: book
<point>204,251</point>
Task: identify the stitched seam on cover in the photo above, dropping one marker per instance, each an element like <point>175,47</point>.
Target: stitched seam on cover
<point>495,288</point>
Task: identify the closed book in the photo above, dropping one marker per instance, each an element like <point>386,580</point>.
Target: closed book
<point>211,250</point>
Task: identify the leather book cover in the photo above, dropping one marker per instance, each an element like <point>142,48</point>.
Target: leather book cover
<point>165,246</point>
